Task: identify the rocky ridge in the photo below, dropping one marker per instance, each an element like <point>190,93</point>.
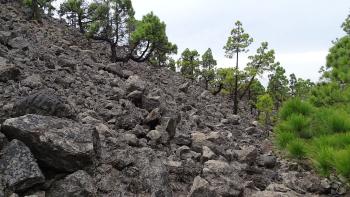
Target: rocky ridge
<point>74,124</point>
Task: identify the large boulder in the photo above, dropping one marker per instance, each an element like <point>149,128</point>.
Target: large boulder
<point>8,72</point>
<point>43,103</point>
<point>58,143</point>
<point>19,168</point>
<point>78,184</point>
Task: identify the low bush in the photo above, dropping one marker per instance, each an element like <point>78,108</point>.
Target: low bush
<point>295,106</point>
<point>297,149</point>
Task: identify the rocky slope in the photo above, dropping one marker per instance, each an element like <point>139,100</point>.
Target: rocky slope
<point>74,124</point>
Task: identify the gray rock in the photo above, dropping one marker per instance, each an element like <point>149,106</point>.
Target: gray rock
<point>184,87</point>
<point>66,61</point>
<point>201,188</point>
<point>115,69</point>
<point>3,140</point>
<point>170,126</point>
<point>130,139</point>
<point>78,184</point>
<point>135,97</point>
<point>43,103</point>
<point>247,154</point>
<point>223,178</point>
<point>59,143</point>
<point>234,119</point>
<point>154,175</point>
<point>207,154</point>
<point>151,102</point>
<point>182,139</point>
<point>5,36</point>
<point>153,118</point>
<point>32,81</point>
<point>19,168</point>
<point>128,116</point>
<point>268,161</point>
<point>135,83</point>
<point>18,43</point>
<point>154,135</point>
<point>8,72</point>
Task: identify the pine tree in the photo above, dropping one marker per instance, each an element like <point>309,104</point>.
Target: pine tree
<point>237,42</point>
<point>263,60</point>
<point>346,25</point>
<point>189,64</point>
<point>292,84</point>
<point>112,22</point>
<point>208,67</point>
<point>75,11</point>
<point>278,86</point>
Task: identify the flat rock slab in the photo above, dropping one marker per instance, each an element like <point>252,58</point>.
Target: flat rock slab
<point>61,144</point>
<point>19,168</point>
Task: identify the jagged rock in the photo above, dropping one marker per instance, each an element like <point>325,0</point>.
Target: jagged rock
<point>247,154</point>
<point>58,143</point>
<point>115,69</point>
<point>223,178</point>
<point>18,43</point>
<point>32,81</point>
<point>129,115</point>
<point>268,161</point>
<point>19,168</point>
<point>155,175</point>
<point>5,36</point>
<point>66,61</point>
<point>153,118</point>
<point>234,119</point>
<point>139,131</point>
<point>170,126</point>
<point>184,87</point>
<point>182,151</point>
<point>199,140</point>
<point>43,103</point>
<point>150,102</point>
<point>135,83</point>
<point>201,188</point>
<point>78,184</point>
<point>3,140</point>
<point>135,97</point>
<point>182,139</point>
<point>8,72</point>
<point>207,154</point>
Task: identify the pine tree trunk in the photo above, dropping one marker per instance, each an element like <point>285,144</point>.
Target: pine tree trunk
<point>235,99</point>
<point>35,9</point>
<point>113,52</point>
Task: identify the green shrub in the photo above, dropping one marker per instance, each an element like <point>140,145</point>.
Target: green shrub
<point>322,157</point>
<point>297,124</point>
<point>283,138</point>
<point>297,149</point>
<point>342,162</point>
<point>295,106</point>
<point>328,121</point>
<point>336,141</point>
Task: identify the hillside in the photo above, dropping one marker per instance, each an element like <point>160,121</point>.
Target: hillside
<point>74,124</point>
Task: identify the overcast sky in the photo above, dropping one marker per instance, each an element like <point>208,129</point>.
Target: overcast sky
<point>300,31</point>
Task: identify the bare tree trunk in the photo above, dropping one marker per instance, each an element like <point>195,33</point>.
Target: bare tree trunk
<point>35,10</point>
<point>113,52</point>
<point>235,101</point>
